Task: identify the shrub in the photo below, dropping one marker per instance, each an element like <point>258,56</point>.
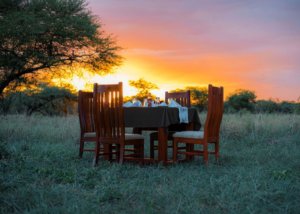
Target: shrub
<point>286,107</point>
<point>266,106</point>
<point>242,99</point>
<point>297,108</point>
<point>44,100</point>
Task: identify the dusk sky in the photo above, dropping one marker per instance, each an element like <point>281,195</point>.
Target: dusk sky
<point>250,44</point>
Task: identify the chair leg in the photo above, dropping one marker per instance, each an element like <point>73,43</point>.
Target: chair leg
<point>81,145</point>
<point>97,150</point>
<point>140,151</point>
<point>205,153</point>
<point>151,147</point>
<point>175,150</point>
<point>217,150</point>
<point>110,151</point>
<point>189,148</point>
<point>121,154</point>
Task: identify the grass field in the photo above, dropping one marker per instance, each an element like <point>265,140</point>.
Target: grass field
<point>258,172</point>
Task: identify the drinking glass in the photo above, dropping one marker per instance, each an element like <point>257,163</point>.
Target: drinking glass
<point>145,102</point>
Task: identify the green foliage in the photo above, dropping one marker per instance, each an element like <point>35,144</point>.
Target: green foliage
<point>297,108</point>
<point>43,35</point>
<point>242,99</point>
<point>269,106</point>
<point>144,88</point>
<point>199,96</point>
<point>266,106</point>
<point>228,108</point>
<point>286,107</point>
<point>258,171</point>
<point>44,100</point>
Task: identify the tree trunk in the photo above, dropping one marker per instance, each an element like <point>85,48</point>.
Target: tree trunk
<point>3,85</point>
<point>15,75</point>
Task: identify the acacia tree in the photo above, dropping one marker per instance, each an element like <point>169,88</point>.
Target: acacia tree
<point>144,88</point>
<point>42,35</point>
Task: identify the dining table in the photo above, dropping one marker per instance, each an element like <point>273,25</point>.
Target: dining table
<point>160,118</point>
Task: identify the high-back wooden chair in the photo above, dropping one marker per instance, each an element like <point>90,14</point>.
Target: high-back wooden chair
<point>109,123</point>
<point>86,121</point>
<point>183,98</point>
<point>211,133</point>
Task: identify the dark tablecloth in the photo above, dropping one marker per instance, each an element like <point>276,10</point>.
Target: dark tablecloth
<point>156,117</point>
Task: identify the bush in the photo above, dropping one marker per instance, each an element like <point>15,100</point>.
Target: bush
<point>286,107</point>
<point>266,106</point>
<point>44,100</point>
<point>242,99</point>
<point>297,108</point>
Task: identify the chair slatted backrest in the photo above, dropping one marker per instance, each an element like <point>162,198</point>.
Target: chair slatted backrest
<point>85,111</point>
<point>214,113</point>
<point>183,98</point>
<point>109,113</point>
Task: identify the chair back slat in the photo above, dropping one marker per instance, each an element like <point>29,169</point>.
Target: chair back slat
<point>109,113</point>
<point>85,111</point>
<point>183,98</point>
<point>214,113</point>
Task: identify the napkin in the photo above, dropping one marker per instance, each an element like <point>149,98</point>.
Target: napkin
<point>183,115</point>
<point>128,104</point>
<point>183,111</point>
<point>173,103</point>
<point>163,104</point>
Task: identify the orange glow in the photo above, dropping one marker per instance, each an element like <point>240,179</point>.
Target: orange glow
<point>78,83</point>
<point>208,44</point>
<point>169,73</point>
<point>83,80</point>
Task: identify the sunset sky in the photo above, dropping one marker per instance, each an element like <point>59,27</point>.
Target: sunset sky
<point>250,44</point>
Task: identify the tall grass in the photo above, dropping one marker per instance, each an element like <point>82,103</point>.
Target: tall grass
<point>258,171</point>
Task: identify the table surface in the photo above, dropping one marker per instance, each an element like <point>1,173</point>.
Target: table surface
<point>156,117</point>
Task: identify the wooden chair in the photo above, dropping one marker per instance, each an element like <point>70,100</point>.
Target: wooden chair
<point>183,98</point>
<point>109,124</point>
<point>86,121</point>
<point>210,135</point>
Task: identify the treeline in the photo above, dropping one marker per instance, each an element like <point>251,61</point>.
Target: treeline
<point>242,101</point>
<point>264,106</point>
<point>50,100</point>
<point>44,100</point>
<point>245,101</point>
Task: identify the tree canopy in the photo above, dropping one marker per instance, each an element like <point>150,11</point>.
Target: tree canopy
<point>144,88</point>
<point>42,35</point>
<point>199,96</point>
<point>242,99</point>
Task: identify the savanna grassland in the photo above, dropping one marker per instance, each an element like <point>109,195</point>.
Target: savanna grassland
<point>258,171</point>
